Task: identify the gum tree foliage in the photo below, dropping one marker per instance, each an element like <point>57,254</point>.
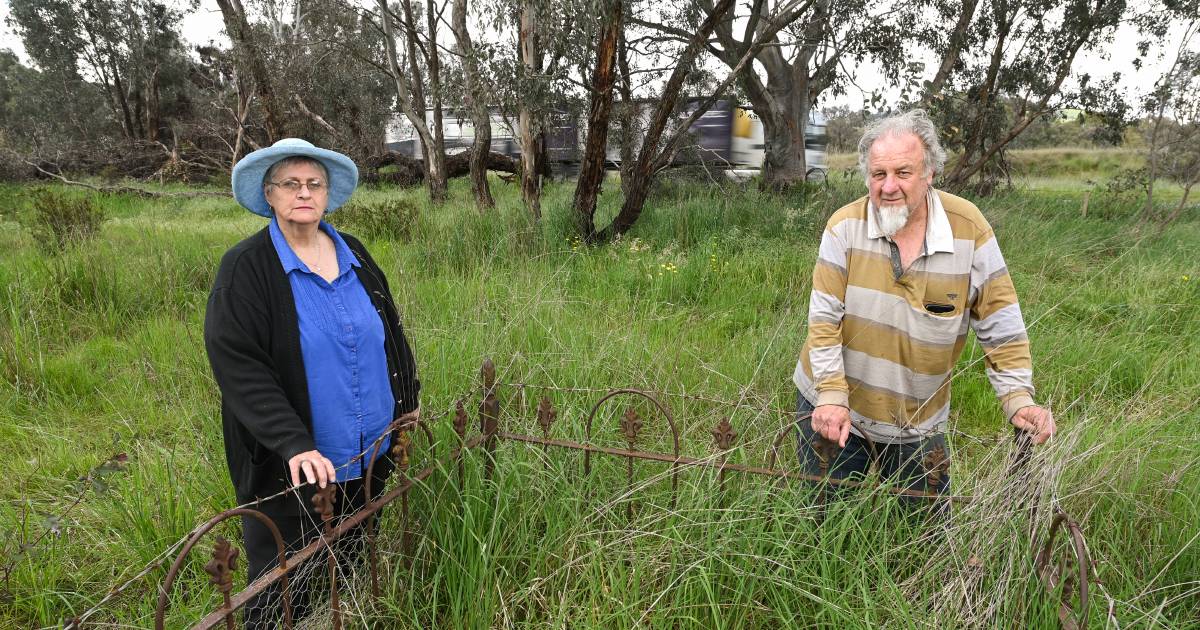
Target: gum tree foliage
<point>1172,110</point>
<point>250,55</point>
<point>330,65</point>
<point>672,71</point>
<point>476,89</point>
<point>129,49</point>
<point>34,118</point>
<point>414,72</point>
<point>306,68</point>
<point>534,44</point>
<point>843,126</point>
<point>813,55</point>
<point>1007,64</point>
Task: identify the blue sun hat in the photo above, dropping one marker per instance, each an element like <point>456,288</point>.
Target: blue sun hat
<point>248,173</point>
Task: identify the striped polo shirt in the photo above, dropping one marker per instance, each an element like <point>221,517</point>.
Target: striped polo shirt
<point>883,341</point>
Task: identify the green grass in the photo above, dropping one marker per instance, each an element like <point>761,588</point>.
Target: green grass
<point>101,354</point>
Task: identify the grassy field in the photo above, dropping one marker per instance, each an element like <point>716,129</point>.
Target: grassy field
<point>109,418</point>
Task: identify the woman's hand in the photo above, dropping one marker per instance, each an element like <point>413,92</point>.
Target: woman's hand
<point>316,467</point>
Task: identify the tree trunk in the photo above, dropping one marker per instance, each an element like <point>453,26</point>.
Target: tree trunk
<point>432,145</point>
<point>251,57</point>
<point>954,47</point>
<point>531,149</point>
<point>153,115</point>
<point>436,176</point>
<point>243,112</point>
<point>591,166</point>
<point>417,84</point>
<point>118,92</point>
<point>627,116</point>
<point>475,99</point>
<point>783,102</point>
<point>654,153</point>
<point>1187,190</point>
<point>137,94</point>
<point>784,163</point>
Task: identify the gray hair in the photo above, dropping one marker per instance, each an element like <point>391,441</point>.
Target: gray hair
<point>914,121</point>
<point>293,160</point>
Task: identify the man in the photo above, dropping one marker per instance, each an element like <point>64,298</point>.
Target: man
<point>900,276</point>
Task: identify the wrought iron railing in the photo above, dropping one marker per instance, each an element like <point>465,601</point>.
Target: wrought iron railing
<point>1062,562</point>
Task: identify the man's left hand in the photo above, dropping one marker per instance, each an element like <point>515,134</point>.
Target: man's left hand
<point>1038,422</point>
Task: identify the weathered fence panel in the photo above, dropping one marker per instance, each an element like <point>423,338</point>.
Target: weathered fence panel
<point>1062,564</point>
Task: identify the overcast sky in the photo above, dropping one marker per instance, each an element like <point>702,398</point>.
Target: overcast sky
<point>204,25</point>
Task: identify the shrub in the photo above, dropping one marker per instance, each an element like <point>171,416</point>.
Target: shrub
<point>60,220</point>
<point>392,218</point>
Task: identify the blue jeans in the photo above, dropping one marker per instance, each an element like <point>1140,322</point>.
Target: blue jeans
<point>912,465</point>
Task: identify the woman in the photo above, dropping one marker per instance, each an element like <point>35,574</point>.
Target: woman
<point>308,352</point>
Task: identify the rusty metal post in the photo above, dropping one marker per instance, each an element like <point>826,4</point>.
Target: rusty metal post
<point>936,465</point>
<point>826,451</point>
<point>724,437</point>
<point>323,501</point>
<point>546,415</point>
<point>489,414</point>
<point>220,569</point>
<point>400,454</point>
<point>630,425</point>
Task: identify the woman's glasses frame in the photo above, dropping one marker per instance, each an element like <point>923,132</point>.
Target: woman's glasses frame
<point>293,186</point>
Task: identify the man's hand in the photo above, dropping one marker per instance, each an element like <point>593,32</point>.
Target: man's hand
<point>833,423</point>
<point>1037,421</point>
<point>316,467</point>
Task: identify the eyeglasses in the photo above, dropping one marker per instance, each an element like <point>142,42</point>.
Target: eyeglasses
<point>293,186</point>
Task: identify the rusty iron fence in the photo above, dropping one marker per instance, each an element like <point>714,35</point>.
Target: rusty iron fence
<point>1062,562</point>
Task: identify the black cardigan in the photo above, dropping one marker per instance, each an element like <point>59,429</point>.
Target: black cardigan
<point>252,337</point>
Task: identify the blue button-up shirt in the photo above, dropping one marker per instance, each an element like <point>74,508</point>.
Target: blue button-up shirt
<point>342,342</point>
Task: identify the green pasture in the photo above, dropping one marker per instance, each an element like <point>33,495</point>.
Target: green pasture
<point>110,425</point>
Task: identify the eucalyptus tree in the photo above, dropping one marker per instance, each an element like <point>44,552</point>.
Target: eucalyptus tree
<point>130,49</point>
<point>532,45</point>
<point>339,89</point>
<point>813,54</point>
<point>37,122</point>
<point>423,62</point>
<point>1008,63</point>
<point>476,90</point>
<point>251,55</point>
<point>670,118</point>
<point>591,161</point>
<point>1173,120</point>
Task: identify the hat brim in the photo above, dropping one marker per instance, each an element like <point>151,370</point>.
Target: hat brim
<point>248,173</point>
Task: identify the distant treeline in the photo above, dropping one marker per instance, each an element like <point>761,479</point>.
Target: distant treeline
<point>114,90</point>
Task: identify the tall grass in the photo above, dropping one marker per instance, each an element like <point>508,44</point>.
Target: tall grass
<point>101,354</point>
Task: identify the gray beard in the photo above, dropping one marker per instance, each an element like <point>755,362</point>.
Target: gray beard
<point>892,219</point>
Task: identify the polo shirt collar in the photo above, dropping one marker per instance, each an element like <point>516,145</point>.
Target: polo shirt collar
<point>291,262</point>
<point>939,237</point>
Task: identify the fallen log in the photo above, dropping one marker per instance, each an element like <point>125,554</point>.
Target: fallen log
<point>411,172</point>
